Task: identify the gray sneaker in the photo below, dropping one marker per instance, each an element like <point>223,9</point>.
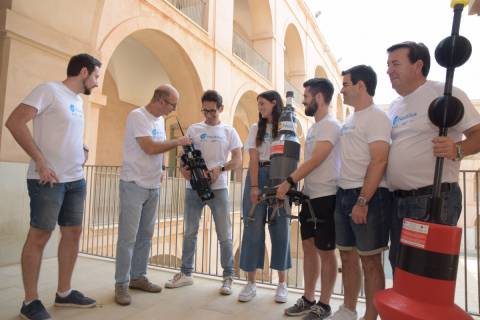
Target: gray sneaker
<point>144,284</point>
<point>122,297</point>
<point>226,288</point>
<point>317,312</point>
<point>300,308</point>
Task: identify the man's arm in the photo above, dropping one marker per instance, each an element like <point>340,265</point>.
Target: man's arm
<point>234,163</point>
<point>375,171</point>
<point>151,147</point>
<point>320,152</point>
<point>446,147</point>
<point>17,125</point>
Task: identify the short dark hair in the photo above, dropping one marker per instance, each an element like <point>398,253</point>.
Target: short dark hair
<point>322,85</point>
<point>80,61</point>
<point>416,51</point>
<point>365,74</point>
<point>213,96</point>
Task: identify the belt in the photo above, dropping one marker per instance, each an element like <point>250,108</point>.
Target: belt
<point>263,164</point>
<point>423,191</point>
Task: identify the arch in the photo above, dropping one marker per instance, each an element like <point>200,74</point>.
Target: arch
<point>294,60</point>
<point>139,63</point>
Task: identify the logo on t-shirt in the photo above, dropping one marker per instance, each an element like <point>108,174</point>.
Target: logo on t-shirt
<point>75,111</point>
<point>155,132</point>
<point>347,128</point>
<point>403,120</point>
<point>203,136</point>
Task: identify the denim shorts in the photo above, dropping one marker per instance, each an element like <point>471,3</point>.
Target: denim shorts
<point>370,238</point>
<point>62,203</point>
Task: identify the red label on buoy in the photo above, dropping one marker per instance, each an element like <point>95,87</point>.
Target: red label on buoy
<point>414,233</point>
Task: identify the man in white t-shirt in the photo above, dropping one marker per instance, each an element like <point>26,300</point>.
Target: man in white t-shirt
<point>55,180</point>
<point>416,142</point>
<point>364,203</point>
<point>140,179</point>
<point>216,141</point>
<point>319,170</point>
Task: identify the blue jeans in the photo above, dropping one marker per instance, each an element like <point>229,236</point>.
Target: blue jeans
<point>223,226</point>
<point>62,203</point>
<point>416,208</point>
<point>138,212</point>
<point>253,242</point>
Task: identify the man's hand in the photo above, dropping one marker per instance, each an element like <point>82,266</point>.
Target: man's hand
<point>282,190</point>
<point>359,214</point>
<point>444,147</point>
<point>46,174</point>
<point>254,195</point>
<point>215,173</point>
<point>183,141</point>
<point>186,173</point>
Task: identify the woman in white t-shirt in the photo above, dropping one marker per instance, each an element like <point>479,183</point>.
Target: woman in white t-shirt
<point>253,243</point>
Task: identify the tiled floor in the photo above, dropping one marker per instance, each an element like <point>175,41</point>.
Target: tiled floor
<point>95,278</point>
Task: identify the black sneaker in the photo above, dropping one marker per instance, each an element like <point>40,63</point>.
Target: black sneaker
<point>34,311</point>
<point>75,299</point>
<point>317,312</point>
<point>301,307</point>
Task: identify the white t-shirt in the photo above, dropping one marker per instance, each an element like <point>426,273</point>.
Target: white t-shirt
<point>215,143</point>
<point>361,128</point>
<point>58,130</point>
<point>264,149</point>
<point>138,166</point>
<point>322,181</point>
<point>412,163</point>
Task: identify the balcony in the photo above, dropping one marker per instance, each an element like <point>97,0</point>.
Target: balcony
<point>242,49</point>
<point>197,10</point>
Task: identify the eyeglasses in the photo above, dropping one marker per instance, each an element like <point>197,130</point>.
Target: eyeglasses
<point>212,111</point>
<point>173,105</point>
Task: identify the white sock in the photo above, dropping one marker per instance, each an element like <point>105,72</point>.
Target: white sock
<point>25,302</point>
<point>65,293</point>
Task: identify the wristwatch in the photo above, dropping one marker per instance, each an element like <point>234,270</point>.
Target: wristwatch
<point>362,201</point>
<point>459,152</point>
<point>290,181</point>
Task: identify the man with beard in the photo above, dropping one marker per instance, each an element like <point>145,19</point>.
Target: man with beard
<point>55,178</point>
<point>320,173</point>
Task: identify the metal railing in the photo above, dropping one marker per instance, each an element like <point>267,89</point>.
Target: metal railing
<point>196,10</point>
<point>242,49</point>
<point>101,217</point>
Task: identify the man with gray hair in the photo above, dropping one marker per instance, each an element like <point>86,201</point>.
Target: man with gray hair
<point>145,143</point>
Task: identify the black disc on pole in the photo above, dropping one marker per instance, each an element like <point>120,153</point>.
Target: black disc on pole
<point>453,51</point>
<point>445,111</point>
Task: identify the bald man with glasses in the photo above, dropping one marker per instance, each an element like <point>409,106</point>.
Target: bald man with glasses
<point>217,141</point>
<point>140,178</point>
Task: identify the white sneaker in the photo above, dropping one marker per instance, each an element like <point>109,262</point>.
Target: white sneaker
<point>344,314</point>
<point>281,295</point>
<point>248,292</point>
<point>226,288</point>
<point>179,280</point>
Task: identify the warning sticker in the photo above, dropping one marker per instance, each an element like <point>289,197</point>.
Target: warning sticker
<point>277,148</point>
<point>414,234</point>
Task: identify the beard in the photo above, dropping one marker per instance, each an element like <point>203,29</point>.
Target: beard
<point>311,109</point>
<point>86,91</point>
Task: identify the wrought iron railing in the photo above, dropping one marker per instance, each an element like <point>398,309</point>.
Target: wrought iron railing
<point>197,10</point>
<point>101,217</point>
<point>242,49</point>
